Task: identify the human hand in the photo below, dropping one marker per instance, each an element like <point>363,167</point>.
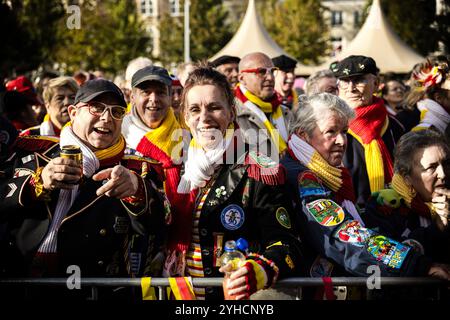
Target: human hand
<point>440,271</point>
<point>237,282</point>
<point>61,173</point>
<point>121,183</point>
<point>441,204</point>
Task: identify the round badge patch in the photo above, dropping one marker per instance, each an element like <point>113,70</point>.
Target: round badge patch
<point>283,217</point>
<point>232,217</point>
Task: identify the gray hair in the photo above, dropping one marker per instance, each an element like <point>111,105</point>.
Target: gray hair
<point>316,107</point>
<point>311,83</point>
<point>412,142</point>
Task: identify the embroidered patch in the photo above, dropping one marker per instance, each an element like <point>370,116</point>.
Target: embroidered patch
<point>326,212</point>
<point>232,217</point>
<point>13,189</point>
<point>352,232</point>
<point>121,225</point>
<point>21,172</point>
<point>283,217</point>
<point>388,251</point>
<point>262,160</point>
<point>416,245</point>
<point>321,267</point>
<point>310,185</point>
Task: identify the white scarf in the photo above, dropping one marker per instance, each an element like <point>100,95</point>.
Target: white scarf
<point>133,129</point>
<point>201,164</point>
<point>277,123</point>
<point>67,197</point>
<point>432,114</point>
<point>46,127</point>
<point>304,152</point>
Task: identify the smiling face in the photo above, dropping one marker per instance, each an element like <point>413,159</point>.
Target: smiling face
<point>329,138</point>
<point>152,101</point>
<point>231,71</point>
<point>431,165</point>
<point>97,132</point>
<point>358,90</point>
<point>207,114</point>
<point>261,86</point>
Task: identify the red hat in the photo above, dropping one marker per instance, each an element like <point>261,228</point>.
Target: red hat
<point>23,85</point>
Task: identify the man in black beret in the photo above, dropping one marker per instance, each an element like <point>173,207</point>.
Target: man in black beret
<point>373,132</point>
<point>229,67</point>
<point>284,80</point>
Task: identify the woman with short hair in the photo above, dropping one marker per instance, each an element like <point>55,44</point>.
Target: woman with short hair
<point>322,190</point>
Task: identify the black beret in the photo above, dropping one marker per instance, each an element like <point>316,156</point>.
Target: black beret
<point>224,60</point>
<point>353,66</point>
<point>284,63</point>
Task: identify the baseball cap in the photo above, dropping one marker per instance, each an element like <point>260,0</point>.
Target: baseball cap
<point>151,73</point>
<point>353,66</point>
<point>23,85</point>
<point>93,88</point>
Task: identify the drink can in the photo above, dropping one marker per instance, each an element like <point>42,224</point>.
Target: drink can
<point>72,152</point>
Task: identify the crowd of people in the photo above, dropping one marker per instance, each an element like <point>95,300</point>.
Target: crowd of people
<point>348,173</point>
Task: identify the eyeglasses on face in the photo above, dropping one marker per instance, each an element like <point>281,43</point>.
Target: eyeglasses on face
<point>261,72</point>
<point>358,82</point>
<point>98,108</point>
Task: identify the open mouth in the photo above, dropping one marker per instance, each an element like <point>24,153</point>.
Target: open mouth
<point>152,109</point>
<point>102,131</point>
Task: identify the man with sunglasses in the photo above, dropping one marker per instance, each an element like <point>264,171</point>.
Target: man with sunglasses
<point>372,134</point>
<point>91,210</point>
<point>260,115</point>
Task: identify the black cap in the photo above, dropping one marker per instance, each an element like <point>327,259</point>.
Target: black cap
<point>284,63</point>
<point>93,88</point>
<point>224,60</point>
<point>151,73</point>
<point>354,66</point>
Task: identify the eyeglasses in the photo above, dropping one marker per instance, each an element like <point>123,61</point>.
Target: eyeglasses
<point>98,108</point>
<point>261,72</point>
<point>358,82</point>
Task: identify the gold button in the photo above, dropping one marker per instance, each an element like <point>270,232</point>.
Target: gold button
<point>103,232</point>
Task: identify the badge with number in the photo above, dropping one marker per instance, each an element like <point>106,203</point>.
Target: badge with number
<point>326,212</point>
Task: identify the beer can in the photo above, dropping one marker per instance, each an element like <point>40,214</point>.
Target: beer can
<point>72,152</point>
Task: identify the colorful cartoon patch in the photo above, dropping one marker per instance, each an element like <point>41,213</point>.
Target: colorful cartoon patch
<point>388,251</point>
<point>326,212</point>
<point>232,217</point>
<point>352,232</point>
<point>283,217</point>
<point>310,185</point>
<point>321,267</point>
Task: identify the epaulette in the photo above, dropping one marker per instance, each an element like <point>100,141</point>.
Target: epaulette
<point>263,168</point>
<point>143,165</point>
<point>35,143</point>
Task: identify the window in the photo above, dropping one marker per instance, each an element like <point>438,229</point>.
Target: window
<point>174,8</point>
<point>148,8</point>
<point>336,18</point>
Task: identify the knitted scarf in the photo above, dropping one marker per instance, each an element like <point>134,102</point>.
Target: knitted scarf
<point>92,161</point>
<point>47,128</point>
<point>275,126</point>
<point>412,198</point>
<point>337,179</point>
<point>368,127</point>
<point>432,114</point>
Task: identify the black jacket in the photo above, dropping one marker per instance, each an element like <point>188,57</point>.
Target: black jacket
<point>353,254</point>
<point>264,219</point>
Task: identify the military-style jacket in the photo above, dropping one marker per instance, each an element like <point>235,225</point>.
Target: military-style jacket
<point>241,205</point>
<point>96,232</point>
<point>332,232</point>
<point>406,225</point>
<point>355,160</point>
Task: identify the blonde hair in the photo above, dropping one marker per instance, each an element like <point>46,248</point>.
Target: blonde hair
<point>53,84</point>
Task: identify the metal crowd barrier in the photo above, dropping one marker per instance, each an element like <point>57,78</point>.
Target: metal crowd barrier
<point>162,283</point>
